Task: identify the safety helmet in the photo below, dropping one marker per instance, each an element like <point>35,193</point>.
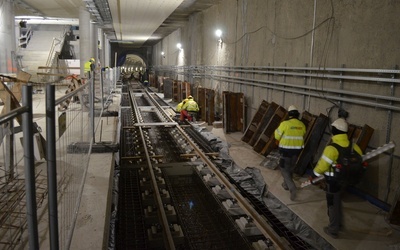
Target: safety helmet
<point>340,124</point>
<point>292,108</point>
<point>92,59</point>
<point>293,112</point>
<point>190,97</point>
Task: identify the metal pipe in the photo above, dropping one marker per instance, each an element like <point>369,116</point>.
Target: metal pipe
<point>378,105</point>
<point>69,95</point>
<point>91,110</point>
<point>29,163</point>
<point>52,165</point>
<point>12,114</point>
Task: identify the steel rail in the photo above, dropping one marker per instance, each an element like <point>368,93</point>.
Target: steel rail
<point>261,223</point>
<point>169,244</point>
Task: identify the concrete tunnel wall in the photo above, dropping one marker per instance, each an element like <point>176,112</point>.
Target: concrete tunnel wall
<point>353,34</point>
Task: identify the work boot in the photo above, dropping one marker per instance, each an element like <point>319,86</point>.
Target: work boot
<point>333,235</point>
<point>285,186</point>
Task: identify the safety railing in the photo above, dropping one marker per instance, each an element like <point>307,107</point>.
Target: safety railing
<point>108,80</point>
<point>25,185</point>
<point>68,156</point>
<point>19,179</point>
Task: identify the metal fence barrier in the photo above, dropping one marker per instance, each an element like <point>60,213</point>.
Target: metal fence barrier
<point>18,200</point>
<point>71,123</point>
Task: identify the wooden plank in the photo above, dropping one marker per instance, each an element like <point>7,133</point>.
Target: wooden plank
<point>257,118</point>
<point>264,122</point>
<point>233,116</point>
<point>201,101</point>
<point>167,87</point>
<point>363,137</point>
<point>308,120</point>
<point>311,144</point>
<point>175,91</point>
<point>266,142</point>
<point>210,106</point>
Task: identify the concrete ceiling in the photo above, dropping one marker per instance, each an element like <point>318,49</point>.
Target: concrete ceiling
<point>133,23</point>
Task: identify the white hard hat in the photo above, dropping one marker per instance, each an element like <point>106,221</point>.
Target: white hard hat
<point>292,108</point>
<point>341,124</point>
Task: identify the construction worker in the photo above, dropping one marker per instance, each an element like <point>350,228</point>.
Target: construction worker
<point>189,109</point>
<point>290,138</point>
<point>89,66</point>
<point>179,106</point>
<point>324,167</point>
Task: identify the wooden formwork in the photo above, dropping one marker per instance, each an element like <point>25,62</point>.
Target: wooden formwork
<point>175,91</point>
<point>311,144</point>
<point>308,120</point>
<point>233,111</point>
<point>183,90</point>
<point>264,122</point>
<point>202,102</point>
<point>266,141</point>
<point>152,80</point>
<point>361,135</point>
<point>210,106</point>
<point>168,87</point>
<point>255,122</point>
<point>205,100</point>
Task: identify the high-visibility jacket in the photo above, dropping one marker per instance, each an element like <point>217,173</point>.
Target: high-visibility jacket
<point>331,154</point>
<point>290,134</point>
<point>87,66</point>
<point>191,106</point>
<point>179,106</point>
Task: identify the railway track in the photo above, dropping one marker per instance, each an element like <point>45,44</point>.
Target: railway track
<point>165,199</point>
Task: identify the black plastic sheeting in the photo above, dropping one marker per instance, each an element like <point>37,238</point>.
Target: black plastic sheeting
<point>250,180</point>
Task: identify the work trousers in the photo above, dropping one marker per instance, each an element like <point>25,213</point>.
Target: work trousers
<point>185,115</point>
<point>287,165</point>
<point>334,204</point>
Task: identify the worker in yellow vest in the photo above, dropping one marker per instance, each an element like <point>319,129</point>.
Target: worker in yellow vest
<point>89,66</point>
<point>290,136</point>
<point>179,106</point>
<point>189,110</point>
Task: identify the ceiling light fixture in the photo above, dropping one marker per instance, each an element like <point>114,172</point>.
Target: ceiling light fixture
<point>218,33</point>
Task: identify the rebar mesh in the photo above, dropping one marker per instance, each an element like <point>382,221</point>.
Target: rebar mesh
<point>204,223</point>
<point>131,232</point>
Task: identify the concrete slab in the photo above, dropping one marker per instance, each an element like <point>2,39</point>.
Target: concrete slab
<point>365,226</point>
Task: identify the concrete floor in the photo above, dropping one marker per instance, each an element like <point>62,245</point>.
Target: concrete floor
<point>365,225</point>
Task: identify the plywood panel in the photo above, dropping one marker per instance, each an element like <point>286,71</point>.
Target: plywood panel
<point>233,111</point>
<point>201,101</point>
<point>363,137</point>
<point>264,122</point>
<point>175,91</point>
<point>266,141</point>
<point>257,118</point>
<point>210,106</point>
<point>311,144</point>
<point>167,86</point>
